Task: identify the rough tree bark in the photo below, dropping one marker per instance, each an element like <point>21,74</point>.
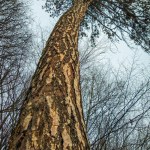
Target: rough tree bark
<point>51,116</point>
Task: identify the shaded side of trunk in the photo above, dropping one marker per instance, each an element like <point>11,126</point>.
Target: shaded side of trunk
<point>51,117</point>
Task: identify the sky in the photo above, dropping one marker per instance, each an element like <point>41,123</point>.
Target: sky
<point>121,53</point>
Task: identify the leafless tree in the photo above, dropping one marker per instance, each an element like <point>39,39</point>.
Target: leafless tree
<point>116,109</point>
<point>15,42</point>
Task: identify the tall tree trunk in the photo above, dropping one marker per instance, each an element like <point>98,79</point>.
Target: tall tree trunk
<point>51,117</point>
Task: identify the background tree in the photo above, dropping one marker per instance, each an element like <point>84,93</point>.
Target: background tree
<point>16,40</point>
<point>116,108</point>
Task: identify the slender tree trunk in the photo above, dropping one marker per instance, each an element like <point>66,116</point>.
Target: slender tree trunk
<point>51,116</point>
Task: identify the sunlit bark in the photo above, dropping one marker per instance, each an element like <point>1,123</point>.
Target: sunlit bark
<point>51,116</point>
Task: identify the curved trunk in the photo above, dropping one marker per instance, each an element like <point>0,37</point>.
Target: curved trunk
<point>51,116</point>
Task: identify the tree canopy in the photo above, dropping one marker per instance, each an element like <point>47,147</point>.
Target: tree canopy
<point>117,18</point>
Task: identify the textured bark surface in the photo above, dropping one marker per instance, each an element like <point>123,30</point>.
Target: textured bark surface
<point>51,116</point>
